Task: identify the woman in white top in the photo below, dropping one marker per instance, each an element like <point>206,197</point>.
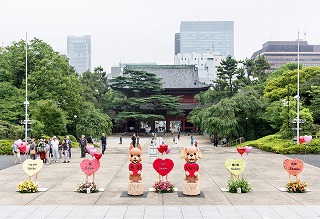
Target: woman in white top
<point>55,148</point>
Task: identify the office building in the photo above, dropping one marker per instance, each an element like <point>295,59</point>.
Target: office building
<point>278,53</point>
<point>206,62</point>
<point>79,52</point>
<point>200,36</point>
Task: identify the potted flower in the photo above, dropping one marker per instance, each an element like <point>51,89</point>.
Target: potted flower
<point>27,186</point>
<point>87,187</point>
<point>163,187</point>
<point>296,186</point>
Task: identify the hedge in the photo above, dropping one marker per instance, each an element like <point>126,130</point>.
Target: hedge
<point>275,144</point>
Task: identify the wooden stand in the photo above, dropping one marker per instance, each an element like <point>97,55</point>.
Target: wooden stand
<point>191,188</point>
<point>135,188</point>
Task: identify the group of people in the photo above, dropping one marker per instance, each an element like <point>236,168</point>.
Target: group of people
<point>84,142</point>
<point>45,149</point>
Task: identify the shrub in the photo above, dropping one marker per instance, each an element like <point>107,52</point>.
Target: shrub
<point>5,147</point>
<point>163,187</point>
<point>83,186</point>
<point>27,187</point>
<point>233,185</point>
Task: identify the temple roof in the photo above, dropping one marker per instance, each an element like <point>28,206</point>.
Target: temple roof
<point>174,76</point>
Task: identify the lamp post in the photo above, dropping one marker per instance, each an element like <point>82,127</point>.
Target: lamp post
<point>26,103</point>
<point>246,128</point>
<point>298,97</point>
<point>75,126</point>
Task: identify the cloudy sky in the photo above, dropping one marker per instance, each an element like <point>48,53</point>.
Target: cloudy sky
<point>143,30</point>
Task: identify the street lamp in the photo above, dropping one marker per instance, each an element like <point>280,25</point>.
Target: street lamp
<point>75,126</point>
<point>297,96</point>
<point>246,128</point>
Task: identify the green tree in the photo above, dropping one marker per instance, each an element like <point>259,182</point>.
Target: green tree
<point>52,117</point>
<point>142,99</point>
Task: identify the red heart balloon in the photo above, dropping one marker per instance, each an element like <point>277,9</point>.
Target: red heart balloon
<point>293,166</point>
<point>241,150</point>
<point>162,148</point>
<point>191,168</point>
<point>163,167</point>
<point>22,148</point>
<point>135,167</point>
<point>301,139</point>
<point>89,167</point>
<point>98,156</point>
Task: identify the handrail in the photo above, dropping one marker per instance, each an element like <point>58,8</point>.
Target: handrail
<point>235,142</point>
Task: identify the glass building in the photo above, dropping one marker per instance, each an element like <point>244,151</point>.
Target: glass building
<point>79,52</point>
<point>201,36</point>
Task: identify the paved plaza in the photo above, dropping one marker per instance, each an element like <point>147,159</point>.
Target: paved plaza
<point>264,171</point>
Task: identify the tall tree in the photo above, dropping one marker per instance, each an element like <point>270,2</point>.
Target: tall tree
<point>142,99</point>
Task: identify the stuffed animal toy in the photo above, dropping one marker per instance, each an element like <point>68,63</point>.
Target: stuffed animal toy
<point>135,167</point>
<point>191,155</point>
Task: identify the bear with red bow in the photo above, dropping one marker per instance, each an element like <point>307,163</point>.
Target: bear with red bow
<point>135,167</point>
<point>191,168</point>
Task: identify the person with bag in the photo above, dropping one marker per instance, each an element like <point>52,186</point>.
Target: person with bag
<point>55,150</point>
<point>16,153</point>
<point>68,141</point>
<point>33,147</point>
<point>65,148</point>
<point>41,150</point>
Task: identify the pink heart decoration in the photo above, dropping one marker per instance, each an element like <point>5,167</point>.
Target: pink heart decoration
<point>293,166</point>
<point>307,138</point>
<point>248,149</point>
<point>163,167</point>
<point>191,168</point>
<point>241,150</point>
<point>301,139</point>
<point>168,150</point>
<point>27,148</point>
<point>17,142</point>
<point>89,148</point>
<point>98,155</point>
<point>89,167</point>
<point>92,152</point>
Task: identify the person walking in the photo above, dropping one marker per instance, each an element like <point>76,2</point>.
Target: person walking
<point>191,140</point>
<point>33,147</point>
<point>89,140</point>
<point>215,142</point>
<point>103,142</point>
<point>179,133</point>
<point>16,153</point>
<point>134,139</point>
<point>47,150</point>
<point>41,150</point>
<point>68,141</point>
<point>83,144</point>
<point>120,140</point>
<point>65,148</point>
<point>55,149</point>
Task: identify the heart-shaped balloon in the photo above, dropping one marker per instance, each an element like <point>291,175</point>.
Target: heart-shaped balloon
<point>18,142</point>
<point>241,150</point>
<point>27,148</point>
<point>293,166</point>
<point>162,148</point>
<point>22,147</point>
<point>307,138</point>
<point>163,167</point>
<point>235,167</point>
<point>89,167</point>
<point>92,152</point>
<point>98,155</point>
<point>168,150</point>
<point>191,168</point>
<point>301,139</point>
<point>248,149</point>
<point>32,167</point>
<point>89,148</point>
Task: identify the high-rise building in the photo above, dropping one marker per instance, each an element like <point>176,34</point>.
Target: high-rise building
<point>176,43</point>
<point>278,53</point>
<point>79,52</point>
<point>200,36</point>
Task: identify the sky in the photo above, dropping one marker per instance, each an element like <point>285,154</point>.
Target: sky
<point>136,31</point>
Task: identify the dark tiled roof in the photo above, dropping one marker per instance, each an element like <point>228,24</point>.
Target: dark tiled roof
<point>173,76</point>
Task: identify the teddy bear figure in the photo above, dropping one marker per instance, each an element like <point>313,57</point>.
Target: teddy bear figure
<point>135,167</point>
<point>191,155</point>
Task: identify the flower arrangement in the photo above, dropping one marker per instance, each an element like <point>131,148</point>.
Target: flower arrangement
<point>163,187</point>
<point>84,187</point>
<point>27,187</point>
<point>233,185</point>
<point>296,186</point>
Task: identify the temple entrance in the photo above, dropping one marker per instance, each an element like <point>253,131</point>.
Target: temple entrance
<point>160,126</point>
<point>175,126</point>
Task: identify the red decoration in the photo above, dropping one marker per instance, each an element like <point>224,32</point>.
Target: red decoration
<point>241,150</point>
<point>301,139</point>
<point>162,148</point>
<point>191,168</point>
<point>135,167</point>
<point>89,167</point>
<point>293,166</point>
<point>98,156</point>
<point>163,167</point>
<point>22,147</point>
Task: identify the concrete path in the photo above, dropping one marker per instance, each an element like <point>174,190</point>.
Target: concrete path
<point>264,172</point>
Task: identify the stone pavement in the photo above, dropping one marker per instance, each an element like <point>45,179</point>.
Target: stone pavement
<point>264,172</point>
